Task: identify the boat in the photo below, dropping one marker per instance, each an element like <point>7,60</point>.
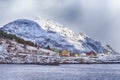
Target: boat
<point>56,63</point>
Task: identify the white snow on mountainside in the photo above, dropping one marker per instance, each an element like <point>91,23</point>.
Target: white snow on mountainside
<point>46,32</point>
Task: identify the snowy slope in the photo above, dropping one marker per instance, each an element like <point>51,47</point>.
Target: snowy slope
<point>13,52</point>
<point>80,41</point>
<point>47,32</point>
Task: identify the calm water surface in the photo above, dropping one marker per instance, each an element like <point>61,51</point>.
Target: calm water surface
<point>62,72</point>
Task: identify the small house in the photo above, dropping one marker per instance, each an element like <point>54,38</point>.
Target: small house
<point>76,55</point>
<point>92,54</point>
<point>56,50</point>
<point>83,55</point>
<point>65,53</point>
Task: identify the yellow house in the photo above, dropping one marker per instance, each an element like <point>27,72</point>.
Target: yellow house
<point>76,55</point>
<point>65,53</point>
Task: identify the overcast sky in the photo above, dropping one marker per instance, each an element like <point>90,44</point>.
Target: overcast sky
<point>99,19</point>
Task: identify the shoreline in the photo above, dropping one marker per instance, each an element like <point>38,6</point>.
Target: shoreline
<point>60,63</point>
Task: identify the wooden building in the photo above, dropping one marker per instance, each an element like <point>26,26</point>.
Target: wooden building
<point>92,54</point>
<point>65,53</point>
<point>76,55</point>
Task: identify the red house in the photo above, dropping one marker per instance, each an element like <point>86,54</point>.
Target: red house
<point>91,54</point>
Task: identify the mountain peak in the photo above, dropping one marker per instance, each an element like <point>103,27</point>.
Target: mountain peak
<point>23,23</point>
<point>47,32</point>
<point>22,27</point>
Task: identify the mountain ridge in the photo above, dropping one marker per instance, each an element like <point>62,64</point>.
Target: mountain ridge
<point>46,32</point>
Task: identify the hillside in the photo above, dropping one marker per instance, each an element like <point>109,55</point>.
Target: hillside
<point>16,50</point>
<point>22,52</point>
<point>14,37</point>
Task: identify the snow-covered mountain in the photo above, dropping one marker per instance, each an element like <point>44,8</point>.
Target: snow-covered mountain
<point>46,32</point>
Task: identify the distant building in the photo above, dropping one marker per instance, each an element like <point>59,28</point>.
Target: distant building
<point>92,54</point>
<point>65,53</point>
<point>76,55</point>
<point>56,50</point>
<point>83,55</point>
